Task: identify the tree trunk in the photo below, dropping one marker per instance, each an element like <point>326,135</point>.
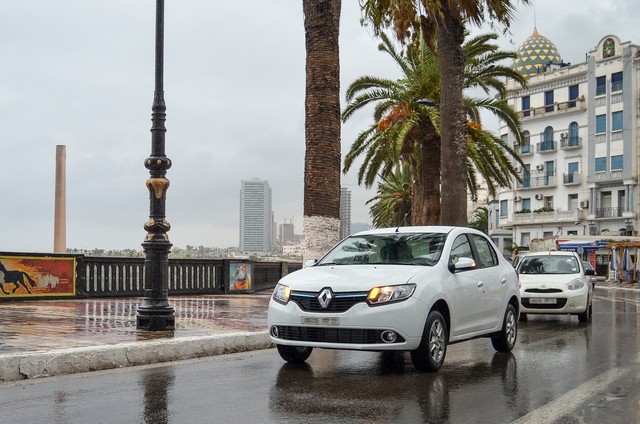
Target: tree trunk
<point>322,127</point>
<point>425,205</point>
<point>450,36</point>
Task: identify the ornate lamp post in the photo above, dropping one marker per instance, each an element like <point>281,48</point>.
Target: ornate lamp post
<point>155,313</point>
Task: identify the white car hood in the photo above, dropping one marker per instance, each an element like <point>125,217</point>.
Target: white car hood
<point>350,277</point>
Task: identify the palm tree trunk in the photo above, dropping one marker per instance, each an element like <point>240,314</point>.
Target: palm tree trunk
<point>426,184</point>
<point>322,127</point>
<point>450,36</point>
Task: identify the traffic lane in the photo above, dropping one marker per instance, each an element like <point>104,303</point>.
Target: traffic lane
<point>560,371</point>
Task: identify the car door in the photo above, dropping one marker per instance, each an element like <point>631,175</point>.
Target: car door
<point>494,290</point>
<point>465,292</point>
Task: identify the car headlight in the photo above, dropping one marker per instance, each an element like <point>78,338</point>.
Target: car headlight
<point>386,294</point>
<point>281,293</point>
<point>575,284</point>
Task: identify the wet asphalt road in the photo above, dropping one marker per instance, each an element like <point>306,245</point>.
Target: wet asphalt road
<point>561,371</point>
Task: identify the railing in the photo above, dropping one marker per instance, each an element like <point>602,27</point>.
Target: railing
<point>546,146</point>
<point>124,277</point>
<point>547,180</point>
<point>545,217</point>
<point>570,142</point>
<point>608,212</point>
<point>572,178</point>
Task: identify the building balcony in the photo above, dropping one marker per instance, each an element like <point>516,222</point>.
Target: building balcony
<point>574,178</point>
<point>607,176</point>
<point>570,143</point>
<point>578,104</point>
<point>547,146</point>
<point>559,216</point>
<point>525,150</point>
<point>533,182</point>
<point>609,212</point>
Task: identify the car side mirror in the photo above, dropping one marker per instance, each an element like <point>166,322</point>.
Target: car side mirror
<point>589,272</point>
<point>310,262</point>
<point>462,264</point>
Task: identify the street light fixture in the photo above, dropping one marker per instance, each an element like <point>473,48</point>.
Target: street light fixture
<point>155,313</point>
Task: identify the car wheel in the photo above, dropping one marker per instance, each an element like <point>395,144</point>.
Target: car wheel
<point>505,339</point>
<point>429,356</point>
<point>586,315</point>
<point>295,354</point>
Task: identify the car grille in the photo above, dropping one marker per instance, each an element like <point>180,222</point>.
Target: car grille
<point>558,305</point>
<point>333,335</point>
<point>543,291</point>
<point>341,302</point>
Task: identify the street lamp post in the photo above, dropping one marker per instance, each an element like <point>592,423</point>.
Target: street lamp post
<point>155,313</point>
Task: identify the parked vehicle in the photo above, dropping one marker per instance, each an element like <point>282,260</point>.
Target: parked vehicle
<point>555,282</point>
<point>593,278</point>
<point>414,289</point>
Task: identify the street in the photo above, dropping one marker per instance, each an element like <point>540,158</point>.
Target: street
<point>561,371</point>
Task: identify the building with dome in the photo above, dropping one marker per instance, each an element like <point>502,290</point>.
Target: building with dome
<point>536,55</point>
<point>580,155</point>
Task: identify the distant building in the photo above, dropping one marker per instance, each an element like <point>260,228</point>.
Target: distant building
<point>256,216</point>
<point>287,234</point>
<point>345,212</point>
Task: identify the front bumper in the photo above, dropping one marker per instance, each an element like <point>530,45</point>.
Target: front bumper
<point>566,303</point>
<point>362,327</point>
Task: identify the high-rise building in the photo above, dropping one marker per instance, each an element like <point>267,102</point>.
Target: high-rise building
<point>256,216</point>
<point>287,234</point>
<point>345,212</point>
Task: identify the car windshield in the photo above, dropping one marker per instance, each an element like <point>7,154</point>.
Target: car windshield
<point>393,248</point>
<point>549,265</point>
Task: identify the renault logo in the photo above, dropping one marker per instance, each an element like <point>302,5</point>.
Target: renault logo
<point>325,297</point>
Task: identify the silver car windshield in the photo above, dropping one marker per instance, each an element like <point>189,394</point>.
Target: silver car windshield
<point>549,265</point>
<point>393,248</point>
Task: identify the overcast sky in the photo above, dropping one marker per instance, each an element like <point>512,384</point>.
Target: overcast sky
<point>81,73</point>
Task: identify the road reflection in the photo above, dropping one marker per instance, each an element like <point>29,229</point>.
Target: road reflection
<point>157,384</point>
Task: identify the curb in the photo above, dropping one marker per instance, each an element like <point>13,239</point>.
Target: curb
<point>84,359</point>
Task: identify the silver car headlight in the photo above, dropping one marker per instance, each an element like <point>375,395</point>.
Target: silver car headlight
<point>575,284</point>
<point>386,294</point>
<point>281,293</point>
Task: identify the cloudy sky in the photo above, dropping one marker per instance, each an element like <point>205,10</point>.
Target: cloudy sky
<point>80,73</point>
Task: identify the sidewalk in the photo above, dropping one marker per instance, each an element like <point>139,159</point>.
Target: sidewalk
<point>54,337</point>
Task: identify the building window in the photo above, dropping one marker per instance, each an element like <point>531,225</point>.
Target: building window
<point>525,239</point>
<point>548,202</point>
<point>572,202</point>
<point>526,143</point>
<point>548,101</point>
<point>616,121</point>
<point>601,86</point>
<point>526,105</point>
<point>616,163</point>
<point>573,95</point>
<point>601,124</point>
<point>601,164</point>
<point>526,204</point>
<point>573,135</point>
<point>504,208</point>
<point>616,82</point>
<point>572,170</point>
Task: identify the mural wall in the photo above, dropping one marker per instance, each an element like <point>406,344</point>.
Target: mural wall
<point>24,276</point>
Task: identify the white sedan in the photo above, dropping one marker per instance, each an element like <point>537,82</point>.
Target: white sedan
<point>555,282</point>
<point>414,289</point>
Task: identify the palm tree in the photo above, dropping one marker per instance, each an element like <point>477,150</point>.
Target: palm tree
<point>446,20</point>
<point>480,220</point>
<point>392,205</point>
<point>407,132</point>
<point>322,127</point>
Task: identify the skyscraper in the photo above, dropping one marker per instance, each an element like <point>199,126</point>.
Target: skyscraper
<point>345,212</point>
<point>256,216</point>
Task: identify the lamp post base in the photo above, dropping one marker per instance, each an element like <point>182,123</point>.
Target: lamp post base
<point>156,318</point>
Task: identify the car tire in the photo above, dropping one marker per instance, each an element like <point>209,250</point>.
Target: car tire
<point>294,354</point>
<point>505,339</point>
<point>586,315</point>
<point>429,356</point>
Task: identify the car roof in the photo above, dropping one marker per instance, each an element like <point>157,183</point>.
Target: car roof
<point>551,253</point>
<point>441,229</point>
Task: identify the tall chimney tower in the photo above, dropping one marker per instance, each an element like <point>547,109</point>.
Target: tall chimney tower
<point>60,216</point>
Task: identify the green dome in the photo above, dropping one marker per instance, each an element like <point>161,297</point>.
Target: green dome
<point>535,54</point>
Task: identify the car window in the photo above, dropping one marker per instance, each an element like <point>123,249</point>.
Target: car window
<point>461,249</point>
<point>395,248</point>
<point>487,257</point>
<point>549,265</point>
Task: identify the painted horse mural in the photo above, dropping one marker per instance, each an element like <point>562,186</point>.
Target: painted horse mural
<point>17,278</point>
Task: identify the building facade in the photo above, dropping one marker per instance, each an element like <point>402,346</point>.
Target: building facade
<point>256,216</point>
<point>580,167</point>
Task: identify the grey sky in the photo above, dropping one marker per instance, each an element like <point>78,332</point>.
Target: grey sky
<point>80,73</point>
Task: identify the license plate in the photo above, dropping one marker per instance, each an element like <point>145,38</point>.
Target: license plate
<point>543,300</point>
<point>321,320</point>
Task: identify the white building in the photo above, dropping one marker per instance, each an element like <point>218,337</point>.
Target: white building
<point>580,173</point>
<point>256,216</point>
<point>345,212</point>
